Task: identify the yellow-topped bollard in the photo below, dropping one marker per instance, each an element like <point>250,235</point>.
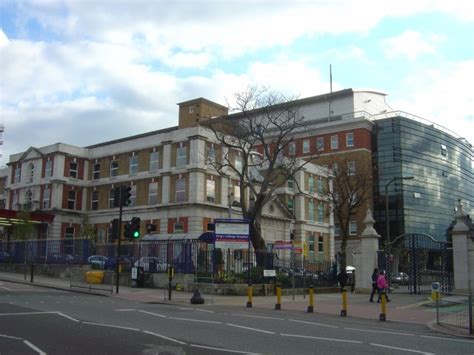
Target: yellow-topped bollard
<point>344,304</point>
<point>383,307</point>
<point>278,294</point>
<point>249,294</point>
<point>311,300</point>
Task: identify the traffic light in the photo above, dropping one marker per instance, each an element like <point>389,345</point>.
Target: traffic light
<point>135,227</point>
<point>126,195</point>
<point>127,230</point>
<point>113,228</point>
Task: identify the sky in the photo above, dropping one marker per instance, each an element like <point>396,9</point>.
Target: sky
<point>85,72</point>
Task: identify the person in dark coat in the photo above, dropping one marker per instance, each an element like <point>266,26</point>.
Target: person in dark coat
<point>342,278</point>
<point>375,274</point>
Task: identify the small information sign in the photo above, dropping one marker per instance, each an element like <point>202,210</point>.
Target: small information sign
<point>269,273</point>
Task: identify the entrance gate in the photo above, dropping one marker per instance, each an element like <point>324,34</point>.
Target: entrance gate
<point>414,261</point>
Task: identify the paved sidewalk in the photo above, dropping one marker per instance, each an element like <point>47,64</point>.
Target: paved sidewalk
<point>402,308</point>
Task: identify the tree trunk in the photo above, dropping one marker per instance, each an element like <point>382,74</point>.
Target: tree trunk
<point>343,262</point>
<point>258,242</point>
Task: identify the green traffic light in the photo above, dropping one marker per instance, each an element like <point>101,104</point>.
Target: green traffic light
<point>136,234</point>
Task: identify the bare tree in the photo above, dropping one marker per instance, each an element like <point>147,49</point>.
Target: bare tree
<point>261,135</point>
<point>351,195</point>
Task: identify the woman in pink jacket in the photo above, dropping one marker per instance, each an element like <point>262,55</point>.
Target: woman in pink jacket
<point>382,286</point>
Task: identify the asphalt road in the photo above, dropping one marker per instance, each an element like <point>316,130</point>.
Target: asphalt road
<point>41,321</point>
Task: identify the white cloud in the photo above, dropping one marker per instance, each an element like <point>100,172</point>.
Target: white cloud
<point>410,44</point>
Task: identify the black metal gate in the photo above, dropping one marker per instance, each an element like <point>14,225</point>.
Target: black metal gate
<point>414,261</point>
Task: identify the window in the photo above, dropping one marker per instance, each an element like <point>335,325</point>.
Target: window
<point>46,203</point>
<point>351,168</point>
<point>290,204</point>
<point>236,200</point>
<point>311,243</point>
<point>154,161</point>
<point>311,184</point>
<point>349,139</point>
<point>292,148</point>
<point>211,190</point>
<point>180,190</point>
<point>178,227</point>
<point>321,244</point>
<point>238,163</point>
<point>71,199</point>
<point>334,142</point>
<point>444,150</point>
<point>320,186</point>
<point>133,196</point>
<point>17,174</point>
<point>111,198</point>
<point>114,168</point>
<point>181,159</point>
<point>311,211</point>
<point>73,169</point>
<point>95,201</point>
<point>337,230</point>
<point>291,182</point>
<point>153,193</point>
<point>320,144</point>
<point>211,154</point>
<point>69,240</point>
<point>416,195</point>
<point>133,165</point>
<point>320,212</point>
<point>96,171</point>
<point>335,168</point>
<point>353,228</point>
<point>191,109</point>
<point>48,169</point>
<point>31,172</point>
<point>306,146</point>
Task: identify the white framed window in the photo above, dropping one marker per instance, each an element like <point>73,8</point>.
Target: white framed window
<point>210,190</point>
<point>311,184</point>
<point>320,244</point>
<point>211,154</point>
<point>48,169</point>
<point>337,230</point>
<point>351,168</point>
<point>17,177</point>
<point>73,169</point>
<point>71,199</point>
<point>46,203</point>
<point>96,171</point>
<point>180,193</point>
<point>111,198</point>
<point>306,147</point>
<point>320,144</point>
<point>311,210</point>
<point>16,199</point>
<point>236,199</point>
<point>152,193</point>
<point>133,165</point>
<point>334,142</point>
<point>290,204</point>
<point>349,139</point>
<point>416,195</point>
<point>154,161</point>
<point>191,109</point>
<point>353,228</point>
<point>320,212</point>
<point>114,166</point>
<point>178,227</point>
<point>311,243</point>
<point>133,196</point>
<point>444,150</point>
<point>320,186</point>
<point>238,163</point>
<point>291,182</point>
<point>31,172</point>
<point>181,158</point>
<point>292,148</point>
<point>95,200</point>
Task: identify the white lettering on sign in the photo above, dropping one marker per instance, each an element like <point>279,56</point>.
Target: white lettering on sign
<point>269,273</point>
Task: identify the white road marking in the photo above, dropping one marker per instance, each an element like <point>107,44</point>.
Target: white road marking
<point>164,337</point>
<point>112,326</point>
<point>196,320</point>
<point>224,350</point>
<point>320,338</point>
<point>67,317</point>
<point>313,323</point>
<point>6,288</point>
<point>261,317</point>
<point>153,314</point>
<point>25,313</point>
<point>248,328</point>
<point>379,331</point>
<point>126,310</point>
<point>448,339</point>
<point>195,309</point>
<point>10,337</point>
<point>403,349</point>
<point>35,348</point>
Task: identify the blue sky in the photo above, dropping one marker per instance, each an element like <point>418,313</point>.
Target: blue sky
<point>83,72</point>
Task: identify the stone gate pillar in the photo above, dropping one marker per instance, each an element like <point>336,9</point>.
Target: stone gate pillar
<point>365,257</point>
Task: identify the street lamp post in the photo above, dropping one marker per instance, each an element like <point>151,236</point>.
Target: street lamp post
<point>387,221</point>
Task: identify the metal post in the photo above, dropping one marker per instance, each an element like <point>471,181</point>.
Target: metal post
<point>311,299</point>
<point>278,294</point>
<point>249,294</point>
<point>31,273</point>
<point>344,303</point>
<point>471,329</point>
<point>119,243</point>
<point>383,305</point>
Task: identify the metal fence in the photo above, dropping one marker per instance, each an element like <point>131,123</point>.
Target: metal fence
<point>455,311</point>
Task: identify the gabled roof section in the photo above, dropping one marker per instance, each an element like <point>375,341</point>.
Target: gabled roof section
<point>31,153</point>
<point>280,210</point>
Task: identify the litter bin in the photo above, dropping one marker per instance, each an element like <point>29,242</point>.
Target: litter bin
<point>137,276</point>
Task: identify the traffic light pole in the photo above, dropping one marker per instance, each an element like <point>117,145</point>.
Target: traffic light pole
<point>119,244</point>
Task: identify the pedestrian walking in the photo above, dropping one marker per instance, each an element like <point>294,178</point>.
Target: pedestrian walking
<point>382,286</point>
<point>375,275</point>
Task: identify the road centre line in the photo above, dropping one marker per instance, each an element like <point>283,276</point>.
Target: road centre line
<point>26,313</point>
<point>448,339</point>
<point>67,317</point>
<point>379,331</point>
<point>112,326</point>
<point>9,337</point>
<point>196,320</point>
<point>320,338</point>
<point>164,337</point>
<point>223,350</point>
<point>195,309</point>
<point>35,348</point>
<point>251,316</point>
<point>403,349</point>
<point>126,310</point>
<point>249,328</point>
<point>313,323</point>
<point>152,313</point>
